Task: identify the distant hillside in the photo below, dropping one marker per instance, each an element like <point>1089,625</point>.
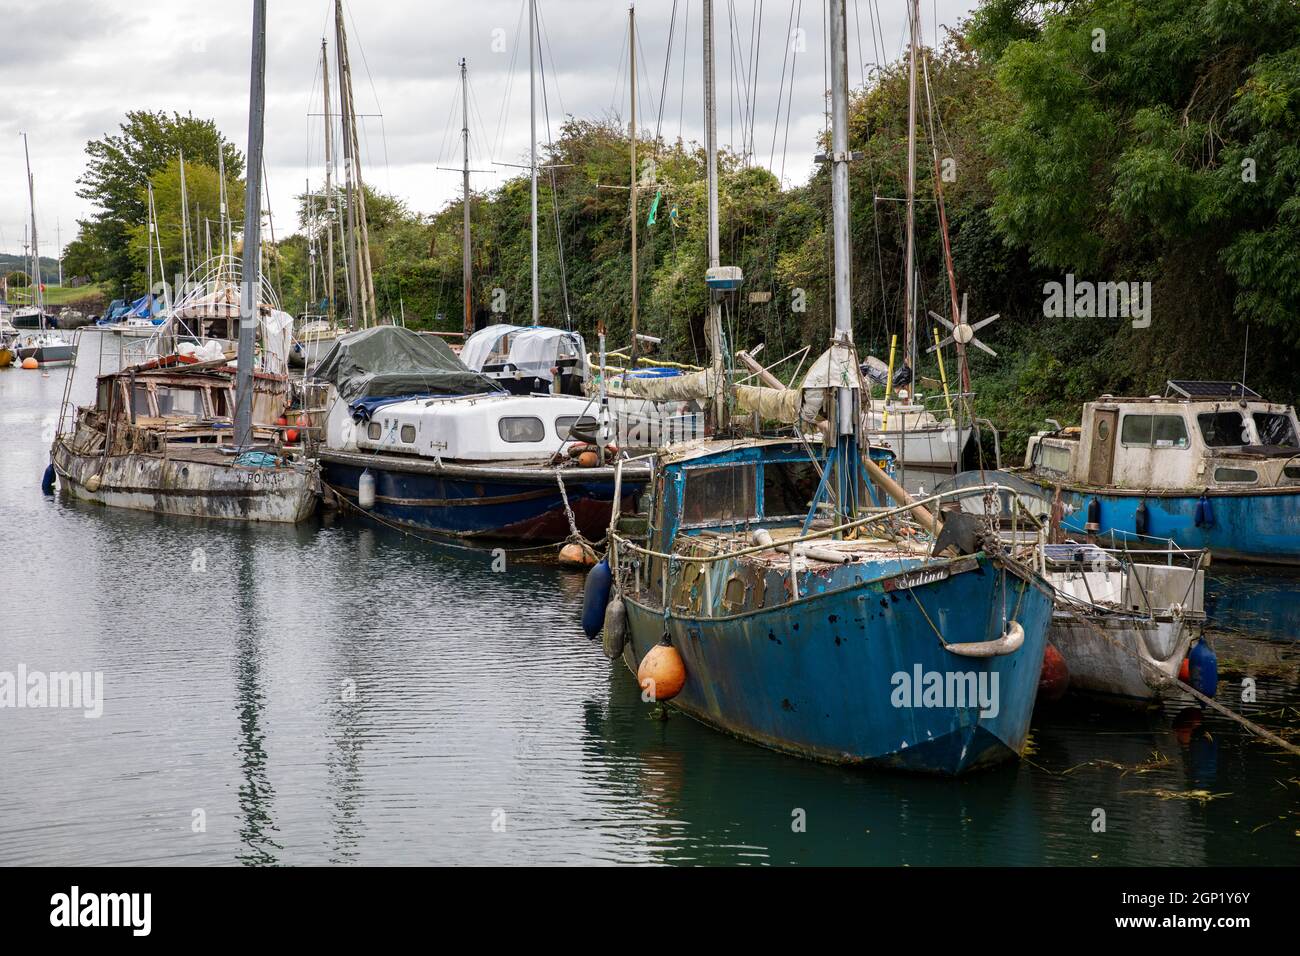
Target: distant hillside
<point>49,267</point>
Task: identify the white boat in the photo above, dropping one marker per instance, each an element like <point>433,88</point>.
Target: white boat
<point>312,340</point>
<point>47,348</point>
<point>1124,627</point>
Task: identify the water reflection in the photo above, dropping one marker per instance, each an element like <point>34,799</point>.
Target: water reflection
<point>343,693</point>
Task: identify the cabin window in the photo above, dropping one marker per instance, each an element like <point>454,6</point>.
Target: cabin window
<point>1275,429</point>
<point>1243,475</point>
<point>221,402</point>
<point>1154,431</point>
<point>1222,429</point>
<point>1055,458</point>
<point>408,434</point>
<point>374,431</point>
<point>566,422</point>
<point>140,401</point>
<point>720,495</point>
<point>788,487</point>
<point>102,395</point>
<point>179,402</point>
<point>521,429</point>
<point>1292,472</point>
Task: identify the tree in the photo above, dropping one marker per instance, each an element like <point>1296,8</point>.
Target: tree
<point>119,165</point>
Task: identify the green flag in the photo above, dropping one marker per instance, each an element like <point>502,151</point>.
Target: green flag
<point>654,207</point>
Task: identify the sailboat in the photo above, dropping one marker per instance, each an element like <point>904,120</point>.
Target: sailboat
<point>184,434</point>
<point>776,598</point>
<point>923,440</point>
<point>46,347</point>
<point>415,436</point>
<point>317,332</point>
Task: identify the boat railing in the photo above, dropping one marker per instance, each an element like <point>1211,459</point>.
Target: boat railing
<point>933,503</point>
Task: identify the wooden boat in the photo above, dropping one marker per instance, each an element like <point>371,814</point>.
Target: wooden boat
<point>1208,465</point>
<point>181,437</point>
<point>158,438</point>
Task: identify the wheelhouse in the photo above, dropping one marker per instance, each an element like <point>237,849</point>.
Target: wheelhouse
<point>1197,435</point>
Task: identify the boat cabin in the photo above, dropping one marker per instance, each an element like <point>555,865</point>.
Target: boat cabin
<point>528,359</point>
<point>168,392</point>
<point>494,427</point>
<point>1198,435</point>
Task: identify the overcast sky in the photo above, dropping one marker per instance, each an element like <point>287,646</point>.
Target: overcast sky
<point>69,69</point>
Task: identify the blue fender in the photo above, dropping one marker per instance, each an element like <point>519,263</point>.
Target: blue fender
<point>1203,668</point>
<point>47,479</point>
<point>595,597</point>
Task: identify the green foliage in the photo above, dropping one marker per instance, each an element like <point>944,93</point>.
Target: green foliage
<point>118,166</point>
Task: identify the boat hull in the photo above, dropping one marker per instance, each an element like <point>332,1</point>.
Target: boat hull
<point>1259,527</point>
<point>1122,658</point>
<point>176,486</point>
<point>514,502</point>
<point>47,355</point>
<point>833,676</point>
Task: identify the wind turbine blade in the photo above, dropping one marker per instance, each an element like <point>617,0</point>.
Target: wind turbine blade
<point>940,319</point>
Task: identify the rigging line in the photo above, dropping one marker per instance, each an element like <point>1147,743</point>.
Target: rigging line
<point>663,89</point>
<point>499,142</point>
<point>356,39</point>
<point>555,205</point>
<point>780,90</point>
<point>756,35</point>
<point>645,61</point>
<point>681,106</point>
<point>857,20</point>
<point>617,95</point>
<point>543,32</point>
<point>789,102</point>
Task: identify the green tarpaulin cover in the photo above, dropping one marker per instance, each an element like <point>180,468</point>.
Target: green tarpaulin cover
<point>389,360</point>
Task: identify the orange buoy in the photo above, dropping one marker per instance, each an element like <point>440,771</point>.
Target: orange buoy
<point>588,459</point>
<point>662,673</point>
<point>282,421</point>
<point>291,436</point>
<point>1185,671</point>
<point>30,363</point>
<point>576,555</point>
<point>1054,678</point>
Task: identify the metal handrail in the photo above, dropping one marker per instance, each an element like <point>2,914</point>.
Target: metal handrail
<point>953,495</point>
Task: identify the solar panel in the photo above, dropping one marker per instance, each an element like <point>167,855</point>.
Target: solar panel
<point>1207,390</point>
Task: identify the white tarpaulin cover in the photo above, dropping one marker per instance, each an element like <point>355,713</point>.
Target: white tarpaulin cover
<point>533,350</point>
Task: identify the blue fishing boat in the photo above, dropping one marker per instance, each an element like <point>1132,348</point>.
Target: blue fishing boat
<point>852,650</point>
<point>776,597</point>
<point>1207,465</point>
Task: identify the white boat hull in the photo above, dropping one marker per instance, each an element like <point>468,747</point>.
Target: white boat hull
<point>1134,658</point>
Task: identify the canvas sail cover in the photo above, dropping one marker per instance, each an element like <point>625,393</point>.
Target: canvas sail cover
<point>387,360</point>
<point>771,404</point>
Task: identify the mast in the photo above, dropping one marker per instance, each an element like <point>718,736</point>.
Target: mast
<point>909,298</point>
<point>38,294</point>
<point>365,273</point>
<point>185,222</point>
<point>465,238</point>
<point>222,218</point>
<point>349,192</point>
<point>532,145</point>
<point>632,131</point>
<point>846,418</point>
<point>329,184</point>
<point>148,248</point>
<point>718,405</point>
<point>251,272</point>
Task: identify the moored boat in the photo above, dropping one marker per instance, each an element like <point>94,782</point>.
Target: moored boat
<point>413,437</point>
<point>1208,465</point>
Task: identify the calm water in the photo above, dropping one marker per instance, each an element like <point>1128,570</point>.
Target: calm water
<point>344,694</point>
